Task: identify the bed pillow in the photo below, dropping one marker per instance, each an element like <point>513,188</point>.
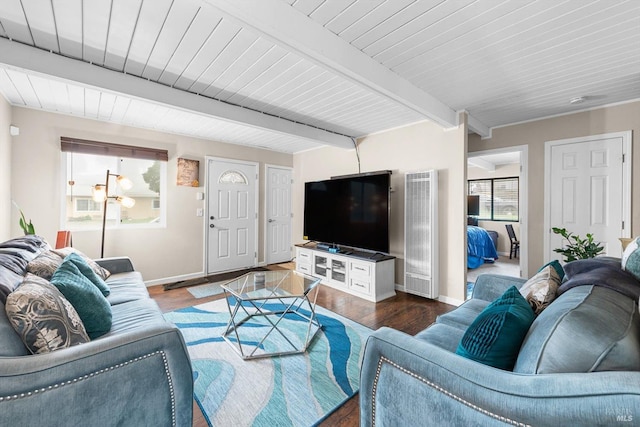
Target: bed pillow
<point>102,272</point>
<point>495,336</point>
<point>43,318</point>
<point>92,307</point>
<point>542,288</point>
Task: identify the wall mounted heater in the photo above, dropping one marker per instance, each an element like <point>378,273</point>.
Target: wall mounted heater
<point>421,233</point>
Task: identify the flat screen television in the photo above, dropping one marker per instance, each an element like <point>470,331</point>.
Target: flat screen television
<point>351,211</point>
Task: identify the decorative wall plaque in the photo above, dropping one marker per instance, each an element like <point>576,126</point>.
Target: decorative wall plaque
<point>188,172</point>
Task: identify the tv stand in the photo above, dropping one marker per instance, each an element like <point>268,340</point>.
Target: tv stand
<point>364,274</point>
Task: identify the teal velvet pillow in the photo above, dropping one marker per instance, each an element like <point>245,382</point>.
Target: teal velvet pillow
<point>92,307</point>
<point>88,272</point>
<point>556,266</point>
<point>495,336</point>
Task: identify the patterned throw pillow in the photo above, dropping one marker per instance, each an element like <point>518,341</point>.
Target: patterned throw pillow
<point>45,264</point>
<point>42,316</point>
<point>631,258</point>
<point>542,288</point>
<point>88,272</point>
<point>102,272</point>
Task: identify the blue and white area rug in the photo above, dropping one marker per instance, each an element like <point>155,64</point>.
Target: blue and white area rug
<point>294,390</point>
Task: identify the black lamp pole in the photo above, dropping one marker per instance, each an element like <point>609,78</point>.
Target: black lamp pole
<point>104,212</point>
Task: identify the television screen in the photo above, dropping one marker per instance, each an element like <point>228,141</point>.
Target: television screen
<point>352,211</point>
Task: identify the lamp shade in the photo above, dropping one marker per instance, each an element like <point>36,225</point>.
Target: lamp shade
<point>127,202</point>
<point>473,205</point>
<point>99,193</point>
<point>124,182</point>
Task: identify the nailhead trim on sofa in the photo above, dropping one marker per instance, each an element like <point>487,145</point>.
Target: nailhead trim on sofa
<point>102,371</point>
<point>434,386</point>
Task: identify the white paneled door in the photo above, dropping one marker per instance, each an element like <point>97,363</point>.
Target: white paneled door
<point>587,190</point>
<point>278,209</point>
<point>232,215</point>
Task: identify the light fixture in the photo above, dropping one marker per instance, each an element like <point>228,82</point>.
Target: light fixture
<point>100,193</point>
<point>577,100</point>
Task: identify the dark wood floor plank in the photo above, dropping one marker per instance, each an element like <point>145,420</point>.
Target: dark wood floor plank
<point>405,312</point>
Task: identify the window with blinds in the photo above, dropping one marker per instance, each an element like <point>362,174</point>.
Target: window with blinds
<point>498,198</point>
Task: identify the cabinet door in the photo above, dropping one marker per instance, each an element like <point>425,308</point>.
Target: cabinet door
<point>339,270</point>
<point>320,265</point>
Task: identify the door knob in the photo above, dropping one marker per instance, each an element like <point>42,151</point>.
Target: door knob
<point>271,220</point>
<point>211,225</point>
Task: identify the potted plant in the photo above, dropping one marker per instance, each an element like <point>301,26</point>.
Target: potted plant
<point>577,247</point>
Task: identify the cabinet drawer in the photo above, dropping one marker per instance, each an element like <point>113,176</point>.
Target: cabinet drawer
<point>361,269</point>
<point>304,256</point>
<point>304,268</point>
<point>358,285</point>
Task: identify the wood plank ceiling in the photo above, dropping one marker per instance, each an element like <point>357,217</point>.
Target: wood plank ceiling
<point>289,75</point>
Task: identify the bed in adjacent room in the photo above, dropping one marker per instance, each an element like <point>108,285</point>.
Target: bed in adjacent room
<point>481,247</point>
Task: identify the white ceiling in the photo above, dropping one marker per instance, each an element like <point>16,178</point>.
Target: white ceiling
<point>290,75</point>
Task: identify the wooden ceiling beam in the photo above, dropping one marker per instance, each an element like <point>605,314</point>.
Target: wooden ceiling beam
<point>21,56</point>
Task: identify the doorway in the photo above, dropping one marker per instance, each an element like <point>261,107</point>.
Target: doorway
<point>516,159</point>
<point>588,190</point>
<point>278,214</point>
<point>232,215</point>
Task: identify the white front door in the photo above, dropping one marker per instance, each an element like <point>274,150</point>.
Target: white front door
<point>586,192</point>
<point>231,215</point>
<point>278,214</point>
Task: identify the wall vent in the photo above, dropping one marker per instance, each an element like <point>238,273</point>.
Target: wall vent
<point>421,233</point>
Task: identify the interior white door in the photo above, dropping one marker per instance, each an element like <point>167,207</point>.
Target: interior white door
<point>278,213</point>
<point>586,196</point>
<point>232,215</point>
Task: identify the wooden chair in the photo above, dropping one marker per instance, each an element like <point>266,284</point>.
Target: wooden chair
<point>515,244</point>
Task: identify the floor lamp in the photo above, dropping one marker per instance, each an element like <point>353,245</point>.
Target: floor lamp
<point>101,194</point>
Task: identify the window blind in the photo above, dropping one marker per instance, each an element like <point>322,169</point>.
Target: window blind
<point>85,146</point>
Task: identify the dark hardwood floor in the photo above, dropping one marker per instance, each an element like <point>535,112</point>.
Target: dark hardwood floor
<point>405,312</point>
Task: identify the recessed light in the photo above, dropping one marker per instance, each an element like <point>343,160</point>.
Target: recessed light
<point>577,100</point>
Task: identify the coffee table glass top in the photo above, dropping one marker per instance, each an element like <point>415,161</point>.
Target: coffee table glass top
<point>272,313</point>
<point>271,284</point>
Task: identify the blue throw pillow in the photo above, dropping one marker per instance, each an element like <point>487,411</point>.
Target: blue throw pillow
<point>92,307</point>
<point>495,336</point>
<point>88,272</point>
<point>556,266</point>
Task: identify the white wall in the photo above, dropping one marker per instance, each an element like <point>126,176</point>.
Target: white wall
<point>160,254</point>
<point>418,147</point>
<point>5,171</point>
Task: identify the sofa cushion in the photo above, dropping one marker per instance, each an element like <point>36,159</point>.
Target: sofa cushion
<point>89,273</point>
<point>86,298</point>
<point>631,258</point>
<point>541,289</point>
<point>43,318</point>
<point>10,345</point>
<point>442,335</point>
<point>102,272</point>
<point>464,315</point>
<point>45,264</point>
<point>588,328</point>
<point>126,287</point>
<point>495,336</point>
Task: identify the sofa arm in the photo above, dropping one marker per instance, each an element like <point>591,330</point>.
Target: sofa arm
<point>407,381</point>
<point>116,265</point>
<point>140,378</point>
<point>488,287</point>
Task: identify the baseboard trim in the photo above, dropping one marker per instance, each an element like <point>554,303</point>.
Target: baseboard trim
<point>174,279</point>
<point>450,301</point>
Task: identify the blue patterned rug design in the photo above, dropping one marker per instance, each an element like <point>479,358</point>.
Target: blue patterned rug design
<point>294,390</point>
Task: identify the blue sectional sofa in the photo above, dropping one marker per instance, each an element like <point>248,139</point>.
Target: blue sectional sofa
<point>137,374</point>
<point>579,364</point>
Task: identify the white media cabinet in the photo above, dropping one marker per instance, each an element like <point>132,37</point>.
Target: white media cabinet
<point>362,274</point>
